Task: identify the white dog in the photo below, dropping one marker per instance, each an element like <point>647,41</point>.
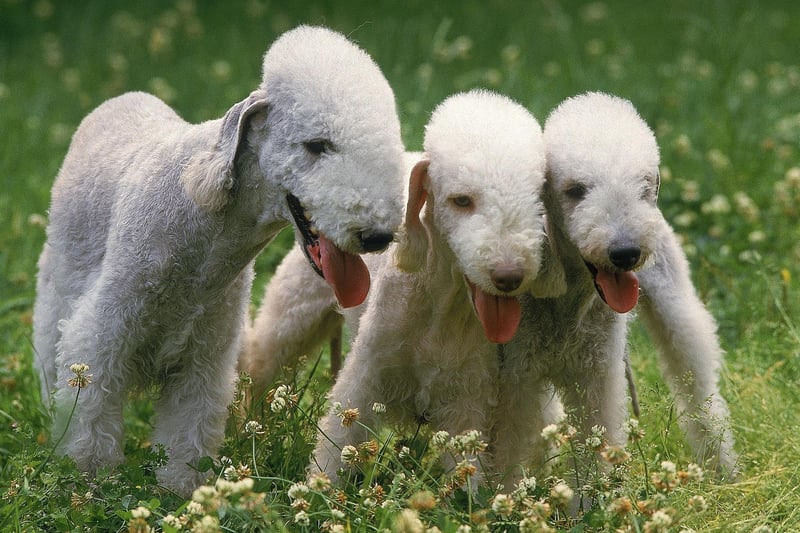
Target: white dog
<point>602,183</point>
<point>154,224</point>
<point>424,346</point>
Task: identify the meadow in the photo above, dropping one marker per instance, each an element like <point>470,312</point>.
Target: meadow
<point>719,82</point>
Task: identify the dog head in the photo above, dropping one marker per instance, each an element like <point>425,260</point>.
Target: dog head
<point>482,179</point>
<point>322,132</point>
<point>603,180</point>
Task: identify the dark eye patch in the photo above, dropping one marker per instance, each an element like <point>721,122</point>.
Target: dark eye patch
<point>318,146</point>
<point>575,191</point>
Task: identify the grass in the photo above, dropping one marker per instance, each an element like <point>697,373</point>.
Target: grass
<point>718,81</point>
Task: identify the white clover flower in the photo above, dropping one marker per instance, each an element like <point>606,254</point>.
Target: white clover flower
<point>207,524</point>
<point>464,529</point>
<point>298,490</point>
<point>716,205</point>
<point>503,505</point>
<point>594,442</point>
<point>337,514</point>
<point>550,432</point>
<point>319,481</point>
<point>633,430</point>
<point>369,503</point>
<point>349,454</point>
<point>661,520</point>
<point>698,504</point>
<point>440,439</point>
<point>682,144</point>
<point>204,494</point>
<point>561,494</point>
<point>408,522</point>
<point>230,473</point>
<point>690,191</point>
<point>378,408</point>
<point>302,519</point>
<point>526,485</point>
<point>140,512</point>
<point>224,486</point>
<point>172,521</point>
<point>193,508</point>
<point>404,453</point>
<point>694,472</point>
<point>253,428</point>
<point>337,528</point>
<point>668,467</point>
<point>244,485</point>
<point>277,404</point>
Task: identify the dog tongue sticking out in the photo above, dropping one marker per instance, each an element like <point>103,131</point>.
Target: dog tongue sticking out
<point>620,290</point>
<point>346,273</point>
<point>499,315</point>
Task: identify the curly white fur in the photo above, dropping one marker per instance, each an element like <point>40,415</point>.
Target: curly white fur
<point>421,348</point>
<point>602,182</point>
<point>154,224</point>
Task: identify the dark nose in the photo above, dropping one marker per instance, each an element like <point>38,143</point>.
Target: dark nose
<point>506,279</point>
<point>625,257</point>
<point>374,242</point>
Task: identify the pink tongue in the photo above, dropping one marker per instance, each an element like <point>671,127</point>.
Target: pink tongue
<point>346,273</point>
<point>499,315</point>
<point>620,289</point>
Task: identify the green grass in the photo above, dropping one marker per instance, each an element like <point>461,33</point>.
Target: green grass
<point>717,80</point>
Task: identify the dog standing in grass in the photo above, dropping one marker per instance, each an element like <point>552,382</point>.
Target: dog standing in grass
<point>612,240</point>
<point>154,225</point>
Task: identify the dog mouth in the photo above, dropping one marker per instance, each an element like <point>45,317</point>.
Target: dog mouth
<point>499,315</point>
<point>618,289</point>
<point>346,273</point>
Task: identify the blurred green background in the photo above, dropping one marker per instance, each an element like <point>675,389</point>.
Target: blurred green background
<point>719,82</point>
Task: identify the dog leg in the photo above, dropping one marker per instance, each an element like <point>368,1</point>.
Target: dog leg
<point>298,313</point>
<point>690,354</point>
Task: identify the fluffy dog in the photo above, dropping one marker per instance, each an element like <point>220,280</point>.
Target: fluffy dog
<point>602,184</point>
<point>425,342</point>
<point>154,224</point>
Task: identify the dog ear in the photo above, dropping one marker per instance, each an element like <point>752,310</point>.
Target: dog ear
<point>209,176</point>
<point>412,247</point>
<point>551,281</point>
<point>658,184</point>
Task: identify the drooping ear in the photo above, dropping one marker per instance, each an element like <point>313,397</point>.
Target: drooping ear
<point>209,176</point>
<point>412,246</point>
<point>551,281</point>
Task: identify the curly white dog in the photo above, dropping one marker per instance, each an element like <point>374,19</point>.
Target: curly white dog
<point>154,224</point>
<point>424,346</point>
<point>602,183</point>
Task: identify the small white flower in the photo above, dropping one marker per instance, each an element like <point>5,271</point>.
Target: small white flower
<point>140,512</point>
<point>193,508</point>
<point>349,454</point>
<point>253,428</point>
<point>298,490</point>
<point>503,505</point>
<point>661,520</point>
<point>694,472</point>
<point>561,494</point>
<point>440,439</point>
<point>302,519</point>
<point>378,408</point>
<point>668,467</point>
<point>698,504</point>
<point>550,432</point>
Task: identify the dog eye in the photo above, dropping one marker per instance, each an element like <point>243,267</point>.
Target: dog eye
<point>576,191</point>
<point>462,201</point>
<point>318,146</point>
